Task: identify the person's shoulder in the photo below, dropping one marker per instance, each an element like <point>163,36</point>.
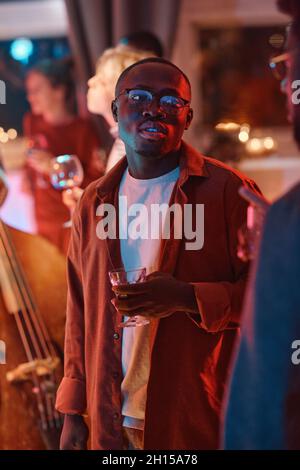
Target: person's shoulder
<point>90,193</point>
<point>28,117</point>
<point>86,206</point>
<point>215,167</point>
<point>30,122</point>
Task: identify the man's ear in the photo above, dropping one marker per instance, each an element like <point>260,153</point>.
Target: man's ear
<point>114,110</point>
<point>189,118</point>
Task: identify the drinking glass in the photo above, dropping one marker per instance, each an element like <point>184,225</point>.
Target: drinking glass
<point>119,277</point>
<point>66,173</point>
<point>249,235</point>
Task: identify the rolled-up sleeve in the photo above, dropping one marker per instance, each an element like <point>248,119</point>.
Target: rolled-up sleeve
<point>71,394</point>
<point>220,303</point>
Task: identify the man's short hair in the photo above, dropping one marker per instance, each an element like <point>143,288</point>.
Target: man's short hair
<point>155,60</point>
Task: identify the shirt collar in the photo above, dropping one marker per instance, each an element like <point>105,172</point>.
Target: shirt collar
<point>191,163</point>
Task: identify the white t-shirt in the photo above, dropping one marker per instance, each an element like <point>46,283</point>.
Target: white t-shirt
<point>136,253</point>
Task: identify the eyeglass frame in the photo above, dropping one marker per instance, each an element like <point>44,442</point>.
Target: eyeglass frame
<point>127,90</point>
<point>281,58</point>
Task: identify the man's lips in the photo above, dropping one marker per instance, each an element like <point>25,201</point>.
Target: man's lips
<point>152,130</point>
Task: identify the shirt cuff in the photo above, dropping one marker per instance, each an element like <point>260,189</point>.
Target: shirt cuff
<point>214,306</point>
<point>71,396</point>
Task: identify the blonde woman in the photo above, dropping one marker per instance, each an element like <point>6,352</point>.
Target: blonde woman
<point>101,90</point>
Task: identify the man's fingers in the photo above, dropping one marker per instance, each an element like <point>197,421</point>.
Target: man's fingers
<point>142,312</point>
<point>129,304</point>
<point>154,275</point>
<point>130,289</point>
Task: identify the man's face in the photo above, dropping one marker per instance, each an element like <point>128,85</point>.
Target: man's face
<point>150,131</point>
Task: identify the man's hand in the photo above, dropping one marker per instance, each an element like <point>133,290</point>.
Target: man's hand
<point>75,433</point>
<point>158,297</point>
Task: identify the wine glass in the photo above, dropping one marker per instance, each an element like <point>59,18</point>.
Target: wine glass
<point>249,234</point>
<point>119,277</point>
<point>66,173</point>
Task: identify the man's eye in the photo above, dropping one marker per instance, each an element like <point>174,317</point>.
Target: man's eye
<point>136,97</point>
<point>171,100</point>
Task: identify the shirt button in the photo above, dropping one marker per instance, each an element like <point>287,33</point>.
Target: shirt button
<point>116,336</point>
<point>116,416</point>
<point>115,375</point>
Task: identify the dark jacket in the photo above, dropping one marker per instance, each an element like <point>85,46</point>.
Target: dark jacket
<point>263,410</point>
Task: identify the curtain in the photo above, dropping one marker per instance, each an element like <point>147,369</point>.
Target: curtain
<point>98,24</point>
<point>95,25</point>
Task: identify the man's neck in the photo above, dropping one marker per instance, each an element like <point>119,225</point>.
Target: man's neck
<point>142,167</point>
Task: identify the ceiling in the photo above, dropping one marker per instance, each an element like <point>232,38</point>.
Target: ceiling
<point>33,18</point>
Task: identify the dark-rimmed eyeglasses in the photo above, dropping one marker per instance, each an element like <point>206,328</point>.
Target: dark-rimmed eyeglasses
<point>142,99</point>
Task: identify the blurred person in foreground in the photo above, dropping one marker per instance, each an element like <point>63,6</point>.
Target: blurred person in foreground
<point>263,409</point>
<point>54,129</point>
<point>101,89</point>
<point>160,385</point>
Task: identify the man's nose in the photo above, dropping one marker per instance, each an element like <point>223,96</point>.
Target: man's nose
<point>153,109</point>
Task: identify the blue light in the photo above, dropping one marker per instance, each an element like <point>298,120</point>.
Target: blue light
<point>21,49</point>
<point>63,158</point>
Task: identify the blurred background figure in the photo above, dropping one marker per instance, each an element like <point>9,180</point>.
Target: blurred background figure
<point>144,41</point>
<point>263,401</point>
<point>53,128</point>
<point>101,90</point>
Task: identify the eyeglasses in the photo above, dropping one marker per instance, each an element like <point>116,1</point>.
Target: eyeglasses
<point>142,99</point>
<point>278,65</point>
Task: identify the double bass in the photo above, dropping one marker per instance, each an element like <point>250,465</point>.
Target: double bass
<point>32,319</point>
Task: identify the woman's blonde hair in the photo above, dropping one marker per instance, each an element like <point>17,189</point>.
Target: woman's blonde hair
<point>114,61</point>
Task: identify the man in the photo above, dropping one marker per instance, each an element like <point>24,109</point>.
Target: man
<point>157,386</point>
<point>263,409</point>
